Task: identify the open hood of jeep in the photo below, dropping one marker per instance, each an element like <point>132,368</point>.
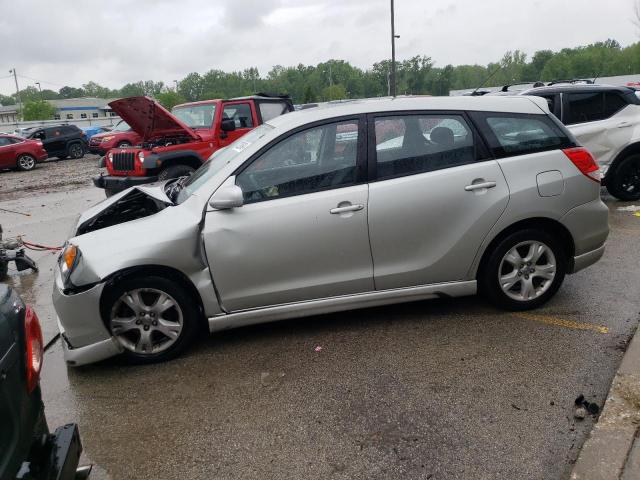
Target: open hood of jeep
<point>149,119</point>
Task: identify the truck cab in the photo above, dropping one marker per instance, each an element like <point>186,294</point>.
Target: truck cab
<point>176,143</point>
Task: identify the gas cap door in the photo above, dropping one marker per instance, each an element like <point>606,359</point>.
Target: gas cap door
<point>550,183</point>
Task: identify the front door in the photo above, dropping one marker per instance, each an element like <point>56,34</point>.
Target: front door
<point>302,231</point>
<point>434,199</point>
<point>243,116</point>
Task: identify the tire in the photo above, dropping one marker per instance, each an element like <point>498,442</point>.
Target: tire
<point>25,162</point>
<point>529,289</point>
<point>175,171</point>
<point>124,145</point>
<point>624,181</point>
<point>4,270</point>
<point>109,193</point>
<point>137,324</point>
<point>75,151</point>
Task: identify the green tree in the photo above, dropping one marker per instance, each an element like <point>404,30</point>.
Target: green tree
<point>169,99</point>
<point>7,100</point>
<point>309,95</point>
<point>335,92</point>
<point>71,92</point>
<point>38,110</point>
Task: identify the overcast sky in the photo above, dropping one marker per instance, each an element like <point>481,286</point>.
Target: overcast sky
<point>69,42</point>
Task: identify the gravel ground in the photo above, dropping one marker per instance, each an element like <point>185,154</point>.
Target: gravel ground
<point>50,176</point>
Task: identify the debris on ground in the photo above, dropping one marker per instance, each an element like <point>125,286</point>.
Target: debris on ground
<point>318,349</point>
<point>580,413</point>
<point>629,208</point>
<point>583,406</point>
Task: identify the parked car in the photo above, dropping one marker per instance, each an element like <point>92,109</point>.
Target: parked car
<point>16,152</point>
<point>121,136</point>
<point>606,120</point>
<point>61,141</point>
<point>23,131</point>
<point>27,448</point>
<point>290,220</point>
<point>177,143</point>
<point>92,130</point>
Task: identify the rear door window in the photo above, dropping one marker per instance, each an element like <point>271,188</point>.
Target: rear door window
<point>240,113</point>
<point>519,134</point>
<point>613,103</point>
<point>585,107</point>
<point>411,144</point>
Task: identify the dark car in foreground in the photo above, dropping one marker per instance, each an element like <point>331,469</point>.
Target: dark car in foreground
<point>27,449</point>
<point>61,141</point>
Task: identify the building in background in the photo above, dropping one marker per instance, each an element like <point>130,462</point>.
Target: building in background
<point>9,114</point>
<point>67,109</point>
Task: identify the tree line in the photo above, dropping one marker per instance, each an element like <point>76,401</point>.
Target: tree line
<point>337,79</point>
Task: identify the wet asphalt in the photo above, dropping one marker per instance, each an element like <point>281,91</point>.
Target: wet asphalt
<point>444,389</point>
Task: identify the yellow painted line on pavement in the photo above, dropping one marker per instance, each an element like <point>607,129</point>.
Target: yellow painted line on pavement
<point>562,322</point>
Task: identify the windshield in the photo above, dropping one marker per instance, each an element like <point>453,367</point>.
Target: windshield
<point>196,116</point>
<point>219,160</point>
<point>121,126</point>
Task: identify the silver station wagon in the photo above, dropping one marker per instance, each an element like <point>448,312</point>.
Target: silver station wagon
<point>333,208</point>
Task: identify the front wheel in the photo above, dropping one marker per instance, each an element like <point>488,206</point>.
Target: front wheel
<point>153,318</point>
<point>175,171</point>
<point>624,181</point>
<point>26,162</point>
<point>523,271</point>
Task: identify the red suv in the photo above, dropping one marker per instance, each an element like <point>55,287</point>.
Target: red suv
<point>175,144</point>
<point>121,136</point>
<point>17,152</point>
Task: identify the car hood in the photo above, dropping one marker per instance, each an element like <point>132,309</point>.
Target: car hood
<point>106,134</point>
<point>149,119</point>
<point>128,205</point>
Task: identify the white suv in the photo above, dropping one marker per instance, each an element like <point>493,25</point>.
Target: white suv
<point>606,120</point>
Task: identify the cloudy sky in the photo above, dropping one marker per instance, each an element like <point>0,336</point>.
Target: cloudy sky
<point>118,41</point>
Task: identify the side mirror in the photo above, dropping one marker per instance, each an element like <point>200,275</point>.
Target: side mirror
<point>228,125</point>
<point>227,197</point>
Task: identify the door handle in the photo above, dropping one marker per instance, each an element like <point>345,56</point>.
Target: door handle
<point>624,125</point>
<point>348,208</point>
<point>478,186</point>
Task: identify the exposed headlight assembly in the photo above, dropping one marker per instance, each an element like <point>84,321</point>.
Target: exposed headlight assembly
<point>68,262</point>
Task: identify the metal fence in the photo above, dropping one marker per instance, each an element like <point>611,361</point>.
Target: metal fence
<point>80,122</point>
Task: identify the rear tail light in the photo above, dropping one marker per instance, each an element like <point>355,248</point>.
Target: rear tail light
<point>584,161</point>
<point>35,348</point>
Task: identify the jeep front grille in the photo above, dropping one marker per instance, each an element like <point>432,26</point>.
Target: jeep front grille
<point>124,161</point>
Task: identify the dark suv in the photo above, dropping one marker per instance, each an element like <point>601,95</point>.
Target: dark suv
<point>61,141</point>
<point>27,449</point>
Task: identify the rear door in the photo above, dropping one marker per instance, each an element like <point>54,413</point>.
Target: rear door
<point>54,142</point>
<point>434,196</point>
<point>244,117</point>
<point>600,120</point>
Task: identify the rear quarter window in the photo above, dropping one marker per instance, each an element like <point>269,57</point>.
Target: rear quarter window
<point>518,134</point>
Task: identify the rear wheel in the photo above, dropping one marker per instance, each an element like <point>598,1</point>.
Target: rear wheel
<point>26,162</point>
<point>524,270</point>
<point>153,318</point>
<point>175,171</point>
<point>75,151</point>
<point>624,181</point>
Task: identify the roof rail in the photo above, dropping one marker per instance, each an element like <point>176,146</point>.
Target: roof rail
<point>573,81</point>
<point>535,84</point>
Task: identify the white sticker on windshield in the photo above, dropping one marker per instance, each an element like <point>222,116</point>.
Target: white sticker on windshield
<point>240,146</point>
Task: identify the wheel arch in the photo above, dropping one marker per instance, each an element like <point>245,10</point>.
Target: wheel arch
<point>161,161</point>
<point>545,224</point>
<point>152,270</point>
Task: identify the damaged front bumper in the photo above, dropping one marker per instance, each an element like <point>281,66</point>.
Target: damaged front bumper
<point>85,338</point>
<point>118,184</point>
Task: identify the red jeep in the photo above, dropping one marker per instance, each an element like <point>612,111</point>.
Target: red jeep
<point>175,144</point>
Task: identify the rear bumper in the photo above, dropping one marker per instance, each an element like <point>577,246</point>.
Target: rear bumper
<point>589,228</point>
<point>585,260</point>
<point>117,184</point>
<point>43,156</point>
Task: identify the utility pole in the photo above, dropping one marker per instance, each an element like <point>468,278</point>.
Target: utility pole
<point>176,82</point>
<point>15,78</point>
<point>40,90</point>
<point>393,52</point>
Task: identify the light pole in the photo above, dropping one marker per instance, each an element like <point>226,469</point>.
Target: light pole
<point>393,52</point>
<point>176,82</point>
<point>40,90</point>
<point>15,78</point>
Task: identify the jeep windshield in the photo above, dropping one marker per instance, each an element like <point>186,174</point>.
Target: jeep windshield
<point>185,186</point>
<point>196,116</point>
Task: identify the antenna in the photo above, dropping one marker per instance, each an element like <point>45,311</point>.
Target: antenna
<point>486,80</point>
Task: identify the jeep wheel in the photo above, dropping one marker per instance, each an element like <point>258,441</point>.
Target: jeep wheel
<point>624,181</point>
<point>108,192</point>
<point>76,151</point>
<point>175,171</point>
<point>153,318</point>
<point>523,271</point>
<point>26,162</point>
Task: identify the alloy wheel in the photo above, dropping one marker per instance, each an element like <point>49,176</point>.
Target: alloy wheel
<point>26,162</point>
<point>527,270</point>
<point>146,321</point>
<point>76,151</point>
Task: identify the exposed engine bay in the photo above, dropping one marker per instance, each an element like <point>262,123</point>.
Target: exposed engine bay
<point>133,205</point>
<point>165,141</point>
